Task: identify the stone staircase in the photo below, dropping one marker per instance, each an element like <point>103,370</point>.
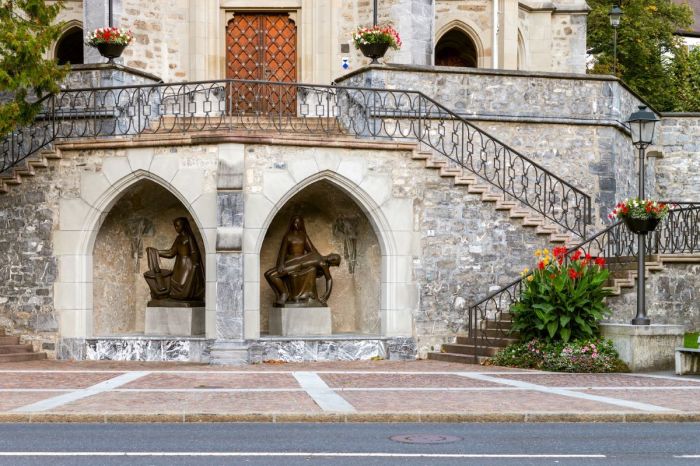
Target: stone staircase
<point>495,336</point>
<point>623,273</point>
<point>515,210</point>
<point>11,350</point>
<point>27,168</point>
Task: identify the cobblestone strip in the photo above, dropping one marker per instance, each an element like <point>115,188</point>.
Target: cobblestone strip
<point>568,393</point>
<point>60,400</point>
<point>322,394</point>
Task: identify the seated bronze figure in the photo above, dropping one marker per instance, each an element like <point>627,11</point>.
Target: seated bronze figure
<point>298,265</point>
<point>184,284</point>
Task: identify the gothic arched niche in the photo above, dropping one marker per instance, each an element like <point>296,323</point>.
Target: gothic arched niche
<point>355,301</point>
<point>69,48</point>
<point>456,48</point>
<point>142,217</point>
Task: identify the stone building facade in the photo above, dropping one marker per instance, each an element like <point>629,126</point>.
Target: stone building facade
<point>73,236</point>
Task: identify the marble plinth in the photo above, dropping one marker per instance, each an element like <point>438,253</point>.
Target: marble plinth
<point>144,348</point>
<point>177,321</point>
<point>300,321</point>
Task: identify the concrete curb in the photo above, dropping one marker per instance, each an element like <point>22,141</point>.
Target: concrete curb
<point>532,417</point>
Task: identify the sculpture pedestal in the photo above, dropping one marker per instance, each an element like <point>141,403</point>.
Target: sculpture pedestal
<point>179,321</point>
<point>300,321</point>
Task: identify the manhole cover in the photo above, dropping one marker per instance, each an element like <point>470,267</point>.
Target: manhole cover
<point>424,438</point>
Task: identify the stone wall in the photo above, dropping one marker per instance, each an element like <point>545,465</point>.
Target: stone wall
<point>678,169</point>
<point>672,297</point>
<point>570,124</point>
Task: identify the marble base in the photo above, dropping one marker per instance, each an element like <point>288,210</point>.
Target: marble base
<point>175,321</point>
<point>645,347</point>
<point>300,321</point>
<point>333,348</point>
<point>143,348</point>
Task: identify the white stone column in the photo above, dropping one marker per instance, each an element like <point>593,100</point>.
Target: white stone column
<point>414,20</point>
<point>230,346</point>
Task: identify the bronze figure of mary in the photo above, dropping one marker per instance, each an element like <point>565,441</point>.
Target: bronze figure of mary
<point>293,279</point>
<point>184,284</point>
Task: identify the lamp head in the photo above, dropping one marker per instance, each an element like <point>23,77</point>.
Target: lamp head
<point>641,124</point>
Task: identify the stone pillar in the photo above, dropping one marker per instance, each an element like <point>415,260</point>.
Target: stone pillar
<point>96,15</point>
<point>230,346</point>
<point>415,22</point>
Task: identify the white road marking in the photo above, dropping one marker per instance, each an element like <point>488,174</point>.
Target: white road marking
<point>325,398</point>
<point>101,387</point>
<point>288,454</point>
<point>567,392</point>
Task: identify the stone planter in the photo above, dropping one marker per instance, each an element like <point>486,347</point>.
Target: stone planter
<point>374,51</point>
<point>641,226</point>
<point>110,51</point>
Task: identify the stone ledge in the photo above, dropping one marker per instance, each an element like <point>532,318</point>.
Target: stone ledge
<point>275,417</point>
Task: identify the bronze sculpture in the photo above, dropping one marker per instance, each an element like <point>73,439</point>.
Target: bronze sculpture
<point>184,284</point>
<point>293,279</point>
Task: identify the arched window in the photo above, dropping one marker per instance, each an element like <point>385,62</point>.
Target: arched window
<point>456,48</point>
<point>69,48</point>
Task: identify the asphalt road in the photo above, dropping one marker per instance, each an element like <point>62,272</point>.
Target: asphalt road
<point>349,444</point>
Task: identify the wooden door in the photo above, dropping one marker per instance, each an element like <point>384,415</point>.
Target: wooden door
<point>262,46</point>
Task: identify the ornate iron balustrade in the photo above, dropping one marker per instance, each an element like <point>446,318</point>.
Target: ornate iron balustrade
<point>28,140</point>
<point>678,233</point>
<point>262,106</point>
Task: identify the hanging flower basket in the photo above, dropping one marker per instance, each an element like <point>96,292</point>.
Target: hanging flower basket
<point>110,41</point>
<point>110,51</point>
<point>375,41</point>
<point>641,226</point>
<point>640,216</point>
<point>374,51</point>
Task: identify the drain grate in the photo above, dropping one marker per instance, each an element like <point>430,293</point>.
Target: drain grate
<point>425,438</point>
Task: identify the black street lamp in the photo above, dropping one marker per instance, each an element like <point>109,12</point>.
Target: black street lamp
<point>641,125</point>
<point>374,14</point>
<point>615,16</point>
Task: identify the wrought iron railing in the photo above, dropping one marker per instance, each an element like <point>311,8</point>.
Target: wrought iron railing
<point>264,106</point>
<point>27,140</point>
<point>678,233</point>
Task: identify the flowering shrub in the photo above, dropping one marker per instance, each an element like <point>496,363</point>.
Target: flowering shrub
<point>562,299</point>
<point>377,35</point>
<point>108,35</point>
<point>591,355</point>
<point>639,208</point>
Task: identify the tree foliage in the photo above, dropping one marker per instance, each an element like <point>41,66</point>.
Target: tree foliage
<point>27,29</point>
<point>651,59</point>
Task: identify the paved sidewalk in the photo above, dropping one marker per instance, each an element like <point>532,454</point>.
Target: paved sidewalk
<point>363,391</point>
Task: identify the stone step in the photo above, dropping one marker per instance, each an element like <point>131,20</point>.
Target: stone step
<point>11,349</point>
<point>455,348</point>
<point>498,333</point>
<point>495,342</point>
<point>2,332</point>
<point>19,357</point>
<point>452,357</point>
<point>9,340</point>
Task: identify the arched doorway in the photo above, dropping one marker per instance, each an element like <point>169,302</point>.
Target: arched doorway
<point>334,223</point>
<point>142,217</point>
<point>69,48</point>
<point>456,48</point>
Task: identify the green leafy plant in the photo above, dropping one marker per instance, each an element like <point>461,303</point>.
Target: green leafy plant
<point>27,29</point>
<point>588,355</point>
<point>563,298</point>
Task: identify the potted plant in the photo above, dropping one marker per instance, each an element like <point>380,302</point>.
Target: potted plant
<point>109,41</point>
<point>640,215</point>
<point>375,41</point>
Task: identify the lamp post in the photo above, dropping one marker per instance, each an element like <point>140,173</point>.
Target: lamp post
<point>615,16</point>
<point>641,125</point>
<point>374,14</point>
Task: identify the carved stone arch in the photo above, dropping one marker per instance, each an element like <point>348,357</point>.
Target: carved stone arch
<point>523,62</point>
<point>73,31</point>
<point>469,29</point>
<point>389,219</point>
<point>80,220</point>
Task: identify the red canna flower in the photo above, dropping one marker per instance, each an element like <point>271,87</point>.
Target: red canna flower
<point>576,255</point>
<point>540,265</point>
<point>572,274</point>
<point>599,261</point>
